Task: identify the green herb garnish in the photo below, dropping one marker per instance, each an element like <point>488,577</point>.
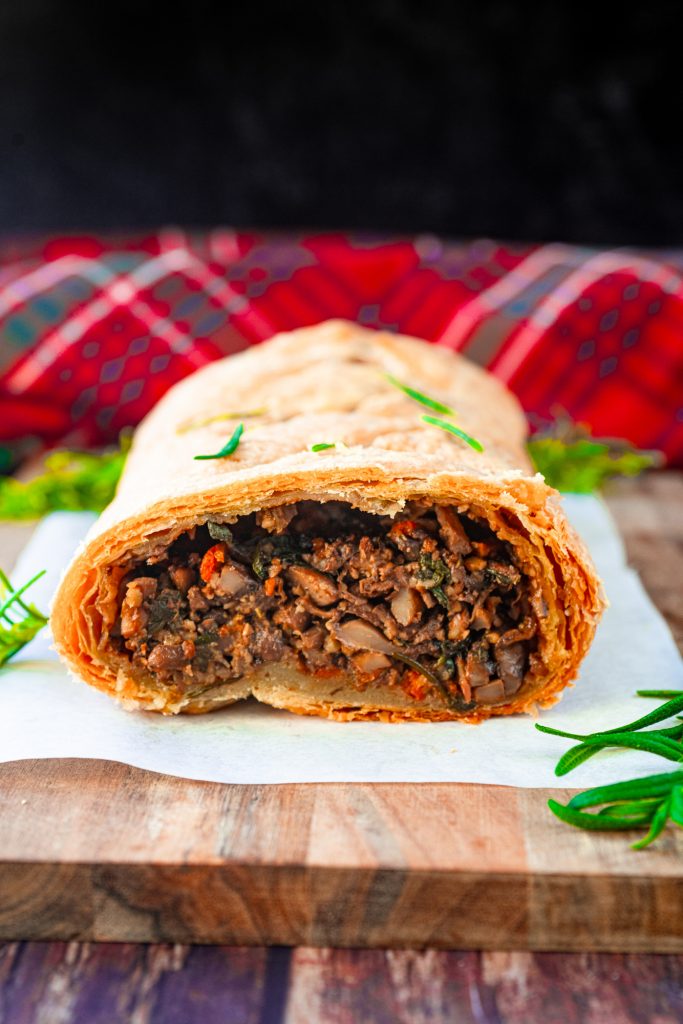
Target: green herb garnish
<point>322,446</point>
<point>229,447</point>
<point>417,396</point>
<point>647,802</point>
<point>281,546</point>
<point>19,622</point>
<point>435,571</point>
<point>219,531</point>
<point>72,481</point>
<point>572,460</point>
<point>456,431</point>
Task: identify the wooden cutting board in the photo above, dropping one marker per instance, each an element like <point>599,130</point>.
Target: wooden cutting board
<point>97,850</point>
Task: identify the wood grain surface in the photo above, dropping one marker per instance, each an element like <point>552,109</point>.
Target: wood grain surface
<point>96,850</point>
<point>87,983</point>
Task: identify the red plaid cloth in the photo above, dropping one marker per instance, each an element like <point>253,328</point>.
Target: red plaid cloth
<point>93,331</point>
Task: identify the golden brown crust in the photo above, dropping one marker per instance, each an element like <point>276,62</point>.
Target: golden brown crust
<point>327,383</point>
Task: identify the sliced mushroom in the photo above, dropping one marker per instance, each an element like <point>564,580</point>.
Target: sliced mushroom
<point>360,635</point>
<point>453,531</point>
<point>477,672</point>
<point>482,616</point>
<point>319,587</point>
<point>491,693</point>
<point>276,519</point>
<point>510,661</point>
<point>233,580</point>
<point>183,577</point>
<point>170,657</point>
<point>370,661</point>
<point>407,606</point>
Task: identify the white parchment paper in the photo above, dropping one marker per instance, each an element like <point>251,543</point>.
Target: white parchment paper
<point>45,713</point>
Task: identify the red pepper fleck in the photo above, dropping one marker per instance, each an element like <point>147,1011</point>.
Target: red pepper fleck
<point>415,684</point>
<point>406,526</point>
<point>211,561</point>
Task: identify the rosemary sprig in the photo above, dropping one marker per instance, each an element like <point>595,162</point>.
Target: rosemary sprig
<point>19,622</point>
<point>418,396</point>
<point>456,431</point>
<point>72,481</point>
<point>229,447</point>
<point>572,460</point>
<point>646,802</point>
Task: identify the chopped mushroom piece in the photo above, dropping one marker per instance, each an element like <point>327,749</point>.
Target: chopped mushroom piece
<point>134,615</point>
<point>407,606</point>
<point>510,660</point>
<point>356,633</point>
<point>319,587</point>
<point>169,657</point>
<point>234,580</point>
<point>452,530</point>
<point>491,693</point>
<point>277,519</point>
<point>371,661</point>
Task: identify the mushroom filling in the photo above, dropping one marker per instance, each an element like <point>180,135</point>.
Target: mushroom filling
<point>431,603</point>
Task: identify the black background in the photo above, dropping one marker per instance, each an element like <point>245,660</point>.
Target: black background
<point>501,119</point>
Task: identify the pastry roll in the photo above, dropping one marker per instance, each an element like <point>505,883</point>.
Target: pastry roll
<point>345,556</point>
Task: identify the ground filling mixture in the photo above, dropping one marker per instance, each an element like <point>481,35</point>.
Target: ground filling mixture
<point>431,602</point>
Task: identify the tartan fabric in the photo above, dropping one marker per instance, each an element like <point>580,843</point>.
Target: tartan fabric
<point>94,330</point>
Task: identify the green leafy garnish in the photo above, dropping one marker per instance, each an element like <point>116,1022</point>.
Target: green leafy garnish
<point>287,549</point>
<point>436,406</point>
<point>229,447</point>
<point>19,622</point>
<point>435,571</point>
<point>456,431</point>
<point>571,459</point>
<point>417,396</point>
<point>322,446</point>
<point>219,531</point>
<point>647,802</point>
<point>219,417</point>
<point>72,481</point>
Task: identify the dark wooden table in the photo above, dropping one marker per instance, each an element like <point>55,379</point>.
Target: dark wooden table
<point>88,983</point>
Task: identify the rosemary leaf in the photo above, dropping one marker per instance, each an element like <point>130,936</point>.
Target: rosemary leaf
<point>229,448</point>
<point>642,811</point>
<point>676,806</point>
<point>19,622</point>
<point>668,710</point>
<point>455,431</point>
<point>659,820</point>
<point>594,822</point>
<point>661,745</point>
<point>663,694</point>
<point>418,396</point>
<point>649,786</point>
